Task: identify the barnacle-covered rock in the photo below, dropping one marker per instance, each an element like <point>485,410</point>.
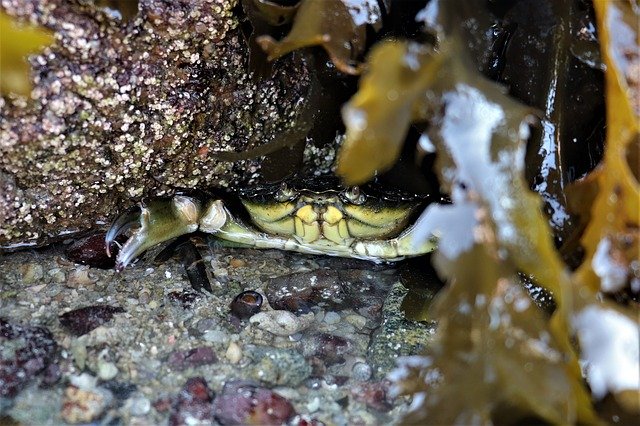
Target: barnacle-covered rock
<point>124,110</point>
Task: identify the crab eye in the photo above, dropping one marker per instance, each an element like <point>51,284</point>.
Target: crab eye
<point>355,196</point>
<point>284,193</point>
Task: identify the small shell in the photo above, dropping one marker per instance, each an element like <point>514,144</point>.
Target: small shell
<point>246,304</point>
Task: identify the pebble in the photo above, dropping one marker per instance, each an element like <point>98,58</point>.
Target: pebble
<point>80,277</point>
<point>84,406</point>
<point>106,370</point>
<point>279,367</point>
<point>332,318</point>
<point>138,405</point>
<point>233,353</point>
<point>57,275</point>
<point>358,321</point>
<point>281,323</point>
<point>206,324</point>
<point>36,288</point>
<point>329,348</point>
<point>193,404</point>
<point>361,371</point>
<point>237,263</point>
<point>215,336</point>
<point>78,350</point>
<point>84,381</point>
<point>31,272</point>
<point>374,395</point>
<point>83,320</point>
<point>195,357</point>
<point>313,405</point>
<point>246,403</point>
<point>144,297</point>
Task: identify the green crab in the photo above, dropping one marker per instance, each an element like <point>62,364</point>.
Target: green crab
<point>308,216</point>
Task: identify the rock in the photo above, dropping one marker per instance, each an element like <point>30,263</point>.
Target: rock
<point>192,358</point>
<point>84,406</point>
<point>246,403</point>
<point>138,405</point>
<point>374,395</point>
<point>281,323</point>
<point>332,318</point>
<point>31,273</point>
<point>29,351</point>
<point>92,251</point>
<point>329,348</point>
<point>361,371</point>
<point>106,370</point>
<point>83,320</point>
<point>193,404</point>
<point>396,336</point>
<point>281,367</point>
<point>233,353</point>
<point>33,406</point>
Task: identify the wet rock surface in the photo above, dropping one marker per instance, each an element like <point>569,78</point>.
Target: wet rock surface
<point>161,353</point>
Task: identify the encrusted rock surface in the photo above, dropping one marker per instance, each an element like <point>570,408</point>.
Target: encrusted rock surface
<point>123,110</point>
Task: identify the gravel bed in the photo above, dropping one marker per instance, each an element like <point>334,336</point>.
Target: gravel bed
<point>82,344</point>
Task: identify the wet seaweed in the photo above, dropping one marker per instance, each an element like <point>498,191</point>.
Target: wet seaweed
<point>332,24</point>
<point>491,338</point>
<point>14,66</point>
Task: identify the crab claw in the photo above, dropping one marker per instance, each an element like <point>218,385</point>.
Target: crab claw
<point>159,221</point>
<point>121,225</point>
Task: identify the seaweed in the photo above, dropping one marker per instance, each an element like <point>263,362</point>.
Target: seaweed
<point>494,229</point>
<point>338,26</point>
<point>14,68</point>
<point>492,339</point>
<point>614,219</point>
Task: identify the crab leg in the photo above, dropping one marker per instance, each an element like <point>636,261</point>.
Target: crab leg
<point>372,250</point>
<point>398,248</point>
